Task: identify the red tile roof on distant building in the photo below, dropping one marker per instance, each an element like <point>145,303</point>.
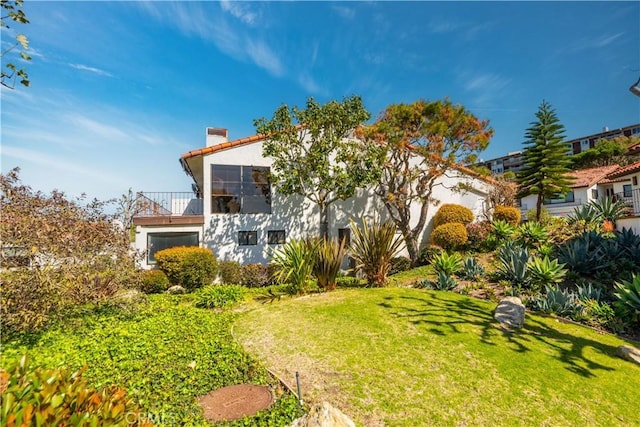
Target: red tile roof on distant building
<point>222,146</point>
<point>591,176</point>
<point>625,170</point>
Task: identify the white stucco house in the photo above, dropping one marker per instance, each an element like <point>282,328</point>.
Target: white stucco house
<point>236,212</point>
<point>618,182</point>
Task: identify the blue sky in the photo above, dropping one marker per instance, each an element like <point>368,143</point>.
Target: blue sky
<point>119,90</point>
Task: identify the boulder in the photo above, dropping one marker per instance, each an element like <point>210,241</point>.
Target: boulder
<point>510,312</point>
<point>629,353</point>
<point>323,415</point>
<point>176,289</point>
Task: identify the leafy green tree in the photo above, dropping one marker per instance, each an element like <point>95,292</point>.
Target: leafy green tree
<point>315,155</point>
<point>546,163</point>
<point>12,11</point>
<point>605,152</point>
<point>422,142</point>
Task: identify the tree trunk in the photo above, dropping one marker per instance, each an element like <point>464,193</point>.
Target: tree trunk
<point>324,221</point>
<point>412,247</point>
<point>538,207</point>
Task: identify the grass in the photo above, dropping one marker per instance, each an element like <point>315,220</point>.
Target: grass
<point>408,357</point>
<point>166,356</point>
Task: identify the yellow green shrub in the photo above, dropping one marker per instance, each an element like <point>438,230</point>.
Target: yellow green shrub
<point>508,214</point>
<point>452,213</point>
<point>188,266</point>
<point>449,236</point>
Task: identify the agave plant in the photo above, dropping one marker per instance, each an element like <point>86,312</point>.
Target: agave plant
<point>471,269</point>
<point>589,292</point>
<point>560,302</point>
<point>447,264</point>
<point>294,263</point>
<point>586,214</point>
<point>329,255</point>
<point>532,234</point>
<point>545,272</point>
<point>502,230</point>
<point>628,295</point>
<point>608,209</point>
<point>444,282</point>
<point>585,255</point>
<point>513,263</point>
<point>372,247</point>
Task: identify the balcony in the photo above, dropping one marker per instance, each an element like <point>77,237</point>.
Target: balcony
<point>631,199</point>
<point>167,208</point>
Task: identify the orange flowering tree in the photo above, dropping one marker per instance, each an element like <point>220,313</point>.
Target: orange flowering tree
<point>423,141</point>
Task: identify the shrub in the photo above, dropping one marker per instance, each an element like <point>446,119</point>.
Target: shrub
<point>447,264</point>
<point>508,214</point>
<point>154,282</point>
<point>513,263</point>
<point>230,272</point>
<point>189,267</point>
<point>477,234</point>
<point>294,262</point>
<point>557,301</point>
<point>609,210</point>
<point>502,230</point>
<point>532,235</point>
<point>255,276</point>
<point>373,247</point>
<point>449,236</point>
<point>628,298</point>
<point>128,300</point>
<point>219,296</point>
<point>37,396</point>
<point>427,253</point>
<point>452,213</point>
<point>329,255</point>
<point>399,264</point>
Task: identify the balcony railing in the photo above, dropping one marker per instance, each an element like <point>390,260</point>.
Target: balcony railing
<point>631,199</point>
<point>155,204</point>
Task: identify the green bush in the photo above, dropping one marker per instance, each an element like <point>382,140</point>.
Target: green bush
<point>294,261</point>
<point>256,276</point>
<point>399,264</point>
<point>628,298</point>
<point>189,267</point>
<point>532,235</point>
<point>230,272</point>
<point>513,262</point>
<point>373,246</point>
<point>447,264</point>
<point>449,236</point>
<point>471,269</point>
<point>558,301</point>
<point>154,282</point>
<point>219,296</point>
<point>444,282</point>
<point>329,255</point>
<point>509,214</point>
<point>545,272</point>
<point>427,253</point>
<point>449,213</point>
<point>37,396</point>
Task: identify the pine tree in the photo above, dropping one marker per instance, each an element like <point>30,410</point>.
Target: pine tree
<point>546,163</point>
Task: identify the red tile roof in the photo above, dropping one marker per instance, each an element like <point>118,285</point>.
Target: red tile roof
<point>634,149</point>
<point>591,176</point>
<point>223,146</point>
<point>625,170</point>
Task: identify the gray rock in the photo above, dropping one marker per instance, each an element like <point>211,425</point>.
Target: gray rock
<point>510,312</point>
<point>629,353</point>
<point>176,289</point>
<point>323,415</point>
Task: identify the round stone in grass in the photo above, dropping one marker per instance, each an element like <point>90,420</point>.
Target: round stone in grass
<point>235,402</point>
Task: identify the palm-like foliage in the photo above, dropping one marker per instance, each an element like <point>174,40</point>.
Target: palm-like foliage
<point>545,272</point>
<point>628,294</point>
<point>586,214</point>
<point>294,263</point>
<point>608,210</point>
<point>447,264</point>
<point>329,254</point>
<point>502,230</point>
<point>372,247</point>
<point>532,234</point>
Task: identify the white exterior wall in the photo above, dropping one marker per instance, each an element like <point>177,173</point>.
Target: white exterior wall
<point>582,196</point>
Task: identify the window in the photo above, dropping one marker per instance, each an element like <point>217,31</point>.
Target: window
<point>594,194</point>
<point>247,238</point>
<point>275,237</point>
<point>240,189</point>
<point>626,190</point>
<point>159,241</point>
<point>568,198</point>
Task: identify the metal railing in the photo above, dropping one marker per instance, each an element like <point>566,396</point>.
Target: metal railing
<point>152,204</point>
<point>631,199</point>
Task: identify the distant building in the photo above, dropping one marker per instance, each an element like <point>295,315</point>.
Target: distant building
<point>512,162</point>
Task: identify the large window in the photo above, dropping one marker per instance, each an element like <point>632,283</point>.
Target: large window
<point>568,198</point>
<point>240,189</point>
<point>159,241</point>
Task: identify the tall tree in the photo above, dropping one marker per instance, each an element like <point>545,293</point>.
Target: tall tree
<point>314,153</point>
<point>546,163</point>
<point>12,11</point>
<point>605,152</point>
<point>422,142</point>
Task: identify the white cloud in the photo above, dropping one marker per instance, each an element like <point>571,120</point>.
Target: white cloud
<point>309,84</point>
<point>91,70</point>
<point>344,11</point>
<point>239,10</point>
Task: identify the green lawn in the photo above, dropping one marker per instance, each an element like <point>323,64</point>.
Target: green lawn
<point>408,357</point>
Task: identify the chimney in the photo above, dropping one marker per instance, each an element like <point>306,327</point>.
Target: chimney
<point>216,136</point>
<point>605,129</point>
